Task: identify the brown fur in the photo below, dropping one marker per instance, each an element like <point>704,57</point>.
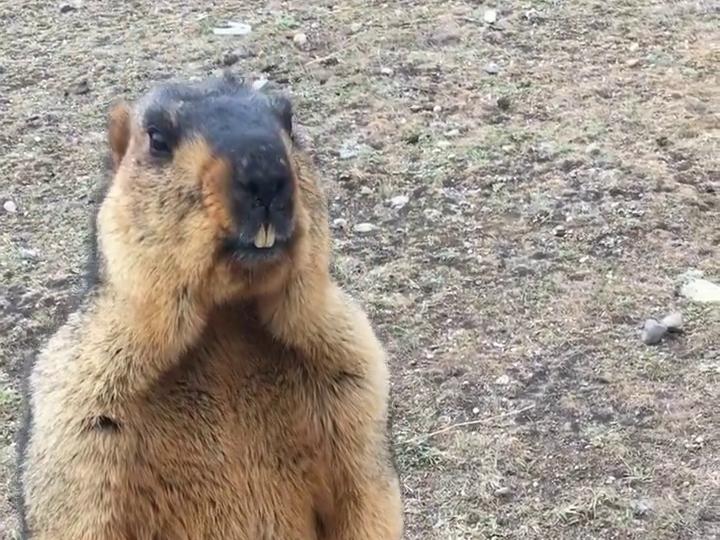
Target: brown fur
<point>189,400</point>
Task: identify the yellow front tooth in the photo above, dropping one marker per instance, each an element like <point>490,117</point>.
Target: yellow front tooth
<point>260,237</point>
<point>269,236</point>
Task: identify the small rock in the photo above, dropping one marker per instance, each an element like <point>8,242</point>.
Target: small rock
<point>300,39</point>
<point>652,332</point>
<point>364,227</point>
<point>504,491</point>
<point>490,16</point>
<point>641,507</point>
<point>503,380</point>
<point>355,27</point>
<point>28,254</point>
<point>437,108</point>
<point>559,231</point>
<point>399,202</point>
<point>492,68</point>
<point>233,29</point>
<point>673,321</point>
<point>79,87</point>
<point>633,62</point>
<point>10,207</point>
<point>388,72</point>
<point>700,290</point>
<point>366,191</point>
<point>67,7</point>
<point>340,223</point>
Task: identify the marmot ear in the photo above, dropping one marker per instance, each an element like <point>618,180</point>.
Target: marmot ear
<point>119,131</point>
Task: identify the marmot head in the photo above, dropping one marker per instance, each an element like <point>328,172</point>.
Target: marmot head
<point>205,189</point>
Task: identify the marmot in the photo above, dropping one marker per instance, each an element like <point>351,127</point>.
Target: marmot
<point>216,383</point>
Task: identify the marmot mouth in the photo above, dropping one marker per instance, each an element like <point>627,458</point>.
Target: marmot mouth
<point>236,250</point>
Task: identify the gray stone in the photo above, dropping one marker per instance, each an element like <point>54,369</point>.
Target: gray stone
<point>672,321</point>
<point>233,29</point>
<point>700,290</point>
<point>365,228</point>
<point>300,39</point>
<point>652,332</point>
<point>641,507</point>
<point>399,202</point>
<point>340,223</point>
<point>492,68</point>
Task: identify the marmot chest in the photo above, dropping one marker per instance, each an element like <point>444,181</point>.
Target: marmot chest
<point>244,427</point>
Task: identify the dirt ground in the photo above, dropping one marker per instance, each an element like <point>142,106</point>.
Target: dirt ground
<point>562,169</point>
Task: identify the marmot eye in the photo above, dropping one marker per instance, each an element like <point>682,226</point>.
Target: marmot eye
<point>158,143</point>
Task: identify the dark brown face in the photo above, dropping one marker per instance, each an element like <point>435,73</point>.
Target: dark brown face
<point>250,134</point>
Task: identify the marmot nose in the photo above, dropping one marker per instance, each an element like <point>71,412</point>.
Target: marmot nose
<point>272,192</point>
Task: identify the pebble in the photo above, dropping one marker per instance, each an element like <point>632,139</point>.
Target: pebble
<point>490,16</point>
<point>28,254</point>
<point>476,410</point>
<point>233,29</point>
<point>559,231</point>
<point>503,380</point>
<point>641,507</point>
<point>492,68</point>
<point>67,7</point>
<point>389,72</point>
<point>365,227</point>
<point>504,491</point>
<point>437,108</point>
<point>300,39</point>
<point>10,207</point>
<point>672,321</point>
<point>652,332</point>
<point>399,202</point>
<point>80,87</point>
<point>340,223</point>
<point>355,27</point>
